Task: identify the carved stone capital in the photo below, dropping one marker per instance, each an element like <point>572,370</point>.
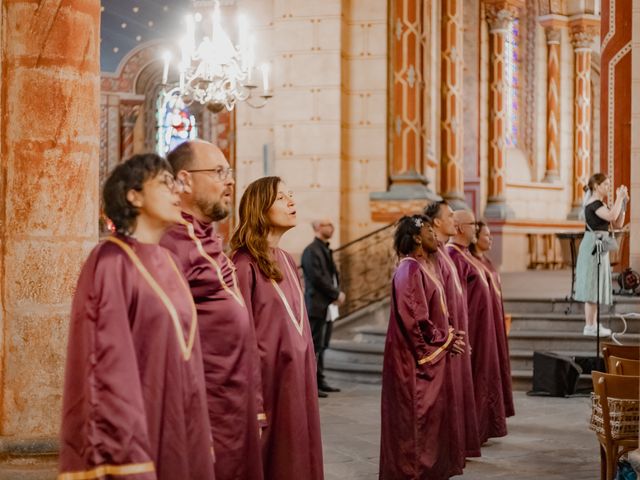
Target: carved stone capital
<point>553,25</point>
<point>500,14</point>
<point>550,7</point>
<point>584,29</point>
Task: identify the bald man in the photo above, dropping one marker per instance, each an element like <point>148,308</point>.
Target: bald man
<point>321,289</point>
<point>227,336</point>
<point>485,361</point>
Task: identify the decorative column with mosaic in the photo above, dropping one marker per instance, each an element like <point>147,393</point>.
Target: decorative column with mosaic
<point>584,29</point>
<point>451,168</point>
<point>500,14</point>
<point>553,25</point>
<point>406,132</point>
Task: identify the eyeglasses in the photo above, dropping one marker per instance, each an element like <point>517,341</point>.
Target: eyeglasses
<point>174,185</point>
<point>220,174</point>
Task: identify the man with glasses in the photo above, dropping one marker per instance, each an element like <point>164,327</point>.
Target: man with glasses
<point>485,360</point>
<point>322,294</point>
<point>229,349</point>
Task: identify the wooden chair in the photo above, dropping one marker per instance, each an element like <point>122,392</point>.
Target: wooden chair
<point>630,352</point>
<point>623,366</point>
<point>614,418</point>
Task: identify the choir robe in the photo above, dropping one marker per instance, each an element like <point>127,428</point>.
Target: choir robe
<point>292,447</point>
<point>229,351</point>
<point>134,401</point>
<point>501,334</point>
<point>461,375</point>
<point>485,360</point>
<point>417,418</point>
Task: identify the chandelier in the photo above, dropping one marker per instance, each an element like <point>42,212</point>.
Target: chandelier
<point>215,72</point>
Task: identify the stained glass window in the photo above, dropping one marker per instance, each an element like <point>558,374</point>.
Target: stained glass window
<point>176,123</point>
<point>511,64</point>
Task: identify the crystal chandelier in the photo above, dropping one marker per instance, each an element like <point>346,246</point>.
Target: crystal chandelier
<point>217,73</point>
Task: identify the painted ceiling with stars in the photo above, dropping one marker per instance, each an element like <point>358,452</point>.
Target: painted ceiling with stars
<point>125,24</point>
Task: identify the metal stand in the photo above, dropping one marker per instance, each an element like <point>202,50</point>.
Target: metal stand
<point>598,254</point>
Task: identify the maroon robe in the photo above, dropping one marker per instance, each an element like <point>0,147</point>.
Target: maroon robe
<point>134,402</point>
<point>229,351</point>
<point>292,447</point>
<point>417,418</point>
<point>485,360</point>
<point>461,375</point>
<point>501,334</point>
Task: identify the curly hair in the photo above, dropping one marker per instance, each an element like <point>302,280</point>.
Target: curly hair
<point>253,226</point>
<point>129,175</point>
<point>406,228</point>
<point>473,246</point>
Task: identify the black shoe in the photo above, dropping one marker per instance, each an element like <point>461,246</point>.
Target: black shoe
<point>327,388</point>
<point>322,394</point>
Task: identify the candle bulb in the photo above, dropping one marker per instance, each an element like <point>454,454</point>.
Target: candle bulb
<point>191,35</point>
<point>265,77</point>
<point>243,34</point>
<point>165,71</point>
<point>250,59</point>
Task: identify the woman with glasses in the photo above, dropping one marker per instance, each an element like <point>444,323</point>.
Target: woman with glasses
<point>134,398</point>
<point>268,280</point>
<point>479,249</point>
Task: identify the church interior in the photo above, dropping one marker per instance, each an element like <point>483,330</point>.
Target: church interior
<point>367,109</point>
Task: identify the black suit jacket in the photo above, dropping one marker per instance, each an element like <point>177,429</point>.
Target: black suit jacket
<point>319,269</point>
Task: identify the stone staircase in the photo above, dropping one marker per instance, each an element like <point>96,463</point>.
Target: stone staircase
<point>552,325</point>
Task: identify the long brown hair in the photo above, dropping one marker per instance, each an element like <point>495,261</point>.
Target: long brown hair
<point>253,227</point>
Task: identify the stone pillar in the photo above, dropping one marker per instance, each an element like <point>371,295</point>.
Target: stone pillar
<point>584,30</point>
<point>128,117</point>
<point>616,91</point>
<point>49,140</point>
<point>451,123</point>
<point>500,14</point>
<point>406,101</point>
<point>553,26</point>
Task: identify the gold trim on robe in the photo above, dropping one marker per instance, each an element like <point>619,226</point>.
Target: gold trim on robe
<point>235,292</point>
<point>299,324</point>
<point>186,346</point>
<point>102,470</point>
<point>433,356</point>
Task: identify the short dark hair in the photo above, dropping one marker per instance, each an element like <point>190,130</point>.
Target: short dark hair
<point>406,228</point>
<point>129,175</point>
<point>181,157</point>
<point>595,180</point>
<point>433,209</point>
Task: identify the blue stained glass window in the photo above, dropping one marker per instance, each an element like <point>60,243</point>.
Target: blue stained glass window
<point>511,67</point>
<point>176,123</point>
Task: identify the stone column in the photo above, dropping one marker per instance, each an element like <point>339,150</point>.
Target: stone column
<point>451,124</point>
<point>583,32</point>
<point>500,14</point>
<point>553,26</point>
<point>49,136</point>
<point>406,102</point>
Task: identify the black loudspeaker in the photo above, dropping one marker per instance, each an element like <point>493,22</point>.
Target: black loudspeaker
<point>554,375</point>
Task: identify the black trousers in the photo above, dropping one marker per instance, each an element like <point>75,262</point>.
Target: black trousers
<point>321,333</point>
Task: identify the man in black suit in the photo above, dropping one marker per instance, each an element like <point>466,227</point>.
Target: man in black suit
<point>321,289</point>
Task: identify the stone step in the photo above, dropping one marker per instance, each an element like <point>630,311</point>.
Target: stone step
<point>354,352</point>
<point>622,304</point>
<point>556,341</point>
<point>370,334</point>
<point>353,372</point>
<point>571,322</point>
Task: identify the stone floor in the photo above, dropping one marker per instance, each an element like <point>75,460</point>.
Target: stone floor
<point>548,439</point>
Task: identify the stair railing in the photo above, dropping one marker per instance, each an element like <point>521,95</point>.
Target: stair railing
<point>366,267</point>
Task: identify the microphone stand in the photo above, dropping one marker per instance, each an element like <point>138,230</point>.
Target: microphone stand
<point>599,260</point>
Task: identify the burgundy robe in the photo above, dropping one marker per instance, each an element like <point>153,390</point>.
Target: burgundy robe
<point>134,402</point>
<point>485,360</point>
<point>417,417</point>
<point>501,334</point>
<point>229,351</point>
<point>292,447</point>
<point>461,376</point>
